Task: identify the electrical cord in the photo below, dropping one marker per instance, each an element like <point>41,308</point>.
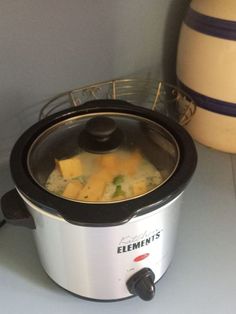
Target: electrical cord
<point>2,223</point>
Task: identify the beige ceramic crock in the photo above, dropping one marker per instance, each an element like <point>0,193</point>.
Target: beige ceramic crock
<point>206,68</point>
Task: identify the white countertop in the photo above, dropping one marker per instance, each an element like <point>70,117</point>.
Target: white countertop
<point>201,278</point>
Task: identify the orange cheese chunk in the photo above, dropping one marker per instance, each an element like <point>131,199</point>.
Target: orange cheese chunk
<point>72,189</point>
<point>70,168</point>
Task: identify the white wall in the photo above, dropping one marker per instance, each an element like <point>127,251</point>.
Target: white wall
<point>49,46</point>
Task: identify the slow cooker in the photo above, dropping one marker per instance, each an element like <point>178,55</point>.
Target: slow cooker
<point>95,247</point>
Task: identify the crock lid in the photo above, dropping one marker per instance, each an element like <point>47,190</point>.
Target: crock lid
<point>103,157</point>
<point>104,140</point>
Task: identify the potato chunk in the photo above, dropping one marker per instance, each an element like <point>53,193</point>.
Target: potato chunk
<point>139,187</point>
<point>72,189</point>
<point>131,164</point>
<point>70,168</point>
<point>94,188</point>
<point>110,162</point>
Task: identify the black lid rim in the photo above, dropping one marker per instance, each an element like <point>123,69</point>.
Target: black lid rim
<point>103,214</point>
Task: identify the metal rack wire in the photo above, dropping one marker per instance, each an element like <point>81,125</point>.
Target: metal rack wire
<point>156,95</point>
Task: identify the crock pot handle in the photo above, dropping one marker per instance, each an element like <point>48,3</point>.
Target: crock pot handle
<point>15,211</point>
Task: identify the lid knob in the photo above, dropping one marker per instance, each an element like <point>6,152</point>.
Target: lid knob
<point>101,128</point>
<point>100,135</point>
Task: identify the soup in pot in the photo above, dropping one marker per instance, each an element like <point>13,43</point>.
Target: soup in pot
<point>110,177</point>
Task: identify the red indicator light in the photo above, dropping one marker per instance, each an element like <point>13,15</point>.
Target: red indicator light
<point>141,257</point>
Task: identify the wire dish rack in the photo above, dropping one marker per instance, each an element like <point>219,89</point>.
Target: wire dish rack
<point>159,96</point>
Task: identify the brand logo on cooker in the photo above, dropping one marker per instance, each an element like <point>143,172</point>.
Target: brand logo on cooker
<point>131,243</point>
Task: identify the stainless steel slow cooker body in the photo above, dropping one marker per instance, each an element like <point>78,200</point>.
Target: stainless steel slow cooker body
<point>102,251</point>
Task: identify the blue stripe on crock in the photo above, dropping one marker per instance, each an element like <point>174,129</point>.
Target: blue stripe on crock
<point>210,25</point>
<point>208,103</point>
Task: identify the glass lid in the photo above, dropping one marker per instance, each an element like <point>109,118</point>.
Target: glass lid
<point>103,157</point>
